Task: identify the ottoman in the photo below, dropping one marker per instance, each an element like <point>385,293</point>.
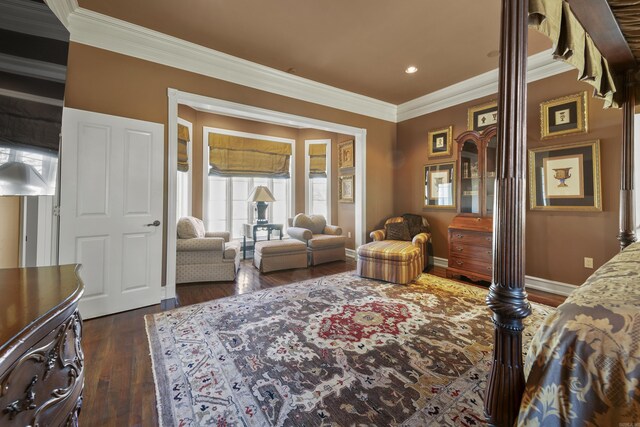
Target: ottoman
<point>390,260</point>
<point>272,255</point>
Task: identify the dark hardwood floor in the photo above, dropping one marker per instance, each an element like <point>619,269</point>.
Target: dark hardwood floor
<point>119,388</point>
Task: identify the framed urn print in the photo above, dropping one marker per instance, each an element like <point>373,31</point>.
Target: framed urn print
<point>482,116</point>
<point>564,116</point>
<point>345,155</point>
<point>565,177</point>
<point>439,185</point>
<point>346,189</point>
<point>440,142</point>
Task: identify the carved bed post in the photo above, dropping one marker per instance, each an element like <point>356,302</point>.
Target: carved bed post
<point>627,234</point>
<point>507,297</point>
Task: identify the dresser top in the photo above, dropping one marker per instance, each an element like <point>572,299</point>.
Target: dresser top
<point>32,296</point>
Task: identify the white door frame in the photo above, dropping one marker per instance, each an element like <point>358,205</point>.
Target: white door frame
<point>219,106</point>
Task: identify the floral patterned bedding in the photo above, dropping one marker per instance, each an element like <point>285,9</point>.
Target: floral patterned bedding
<point>583,364</point>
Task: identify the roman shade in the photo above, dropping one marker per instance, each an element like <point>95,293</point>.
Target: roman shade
<point>574,46</point>
<point>183,152</point>
<point>237,156</point>
<point>317,160</point>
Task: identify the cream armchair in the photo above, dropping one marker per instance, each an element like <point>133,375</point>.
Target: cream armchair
<point>325,243</point>
<point>204,256</point>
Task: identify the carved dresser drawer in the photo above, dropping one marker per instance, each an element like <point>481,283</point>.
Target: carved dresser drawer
<point>470,248</point>
<point>41,359</point>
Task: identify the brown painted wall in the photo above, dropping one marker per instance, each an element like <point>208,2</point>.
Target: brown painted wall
<point>9,231</point>
<point>556,242</point>
<point>110,83</point>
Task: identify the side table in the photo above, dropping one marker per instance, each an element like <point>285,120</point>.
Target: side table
<point>251,230</point>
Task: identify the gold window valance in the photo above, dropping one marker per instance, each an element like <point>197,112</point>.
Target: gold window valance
<point>183,152</point>
<point>573,45</point>
<point>237,156</point>
<point>317,160</point>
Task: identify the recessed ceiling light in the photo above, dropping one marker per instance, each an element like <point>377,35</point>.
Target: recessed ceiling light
<point>410,70</point>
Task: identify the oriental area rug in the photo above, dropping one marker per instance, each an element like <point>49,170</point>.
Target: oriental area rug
<point>339,350</point>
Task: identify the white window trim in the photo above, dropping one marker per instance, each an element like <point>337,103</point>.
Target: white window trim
<point>307,160</point>
<point>249,112</point>
<point>189,125</point>
<point>206,131</point>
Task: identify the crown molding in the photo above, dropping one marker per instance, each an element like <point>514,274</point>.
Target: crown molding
<point>539,66</point>
<point>29,17</point>
<point>33,68</point>
<point>104,32</point>
<point>31,97</point>
<point>63,9</point>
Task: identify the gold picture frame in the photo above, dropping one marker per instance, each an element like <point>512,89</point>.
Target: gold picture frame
<point>564,116</point>
<point>565,177</point>
<point>346,189</point>
<point>482,116</point>
<point>346,160</point>
<point>440,142</point>
<point>440,185</point>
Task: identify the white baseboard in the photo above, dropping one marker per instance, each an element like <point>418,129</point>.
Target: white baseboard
<point>545,285</point>
<point>350,253</point>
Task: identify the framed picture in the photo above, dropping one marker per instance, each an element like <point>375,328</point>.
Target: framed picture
<point>482,116</point>
<point>564,116</point>
<point>345,155</point>
<point>346,189</point>
<point>565,177</point>
<point>439,185</point>
<point>440,142</point>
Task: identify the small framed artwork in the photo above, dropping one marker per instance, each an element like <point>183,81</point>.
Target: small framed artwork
<point>346,189</point>
<point>482,116</point>
<point>345,155</point>
<point>440,142</point>
<point>564,116</point>
<point>565,177</point>
<point>439,185</point>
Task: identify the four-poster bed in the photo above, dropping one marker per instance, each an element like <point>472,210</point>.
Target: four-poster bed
<point>586,34</point>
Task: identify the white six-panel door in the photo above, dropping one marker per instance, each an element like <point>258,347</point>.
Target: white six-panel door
<point>111,193</point>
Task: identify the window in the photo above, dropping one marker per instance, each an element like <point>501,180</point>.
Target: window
<point>183,182</point>
<point>226,206</point>
<point>318,185</point>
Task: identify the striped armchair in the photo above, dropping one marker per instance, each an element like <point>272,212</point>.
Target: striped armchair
<point>397,261</point>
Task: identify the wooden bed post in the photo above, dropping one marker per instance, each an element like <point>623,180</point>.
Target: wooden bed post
<point>507,297</point>
<point>627,234</point>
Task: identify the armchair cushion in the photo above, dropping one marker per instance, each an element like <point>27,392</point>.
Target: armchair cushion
<point>333,230</point>
<point>299,233</point>
<point>200,244</point>
<point>397,231</point>
<point>417,224</point>
<point>315,223</point>
<point>190,227</point>
<point>319,241</point>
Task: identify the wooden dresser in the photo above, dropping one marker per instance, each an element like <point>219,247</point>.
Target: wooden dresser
<point>41,359</point>
<point>470,247</point>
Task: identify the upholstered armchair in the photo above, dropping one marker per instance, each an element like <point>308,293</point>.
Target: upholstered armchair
<point>399,253</point>
<point>325,243</point>
<point>204,256</point>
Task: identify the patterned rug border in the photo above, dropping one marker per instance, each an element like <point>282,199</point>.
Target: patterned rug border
<point>162,381</point>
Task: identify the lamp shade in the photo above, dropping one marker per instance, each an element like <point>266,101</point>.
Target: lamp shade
<point>261,194</point>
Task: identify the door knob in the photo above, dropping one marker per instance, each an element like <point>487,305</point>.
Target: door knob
<point>153,224</point>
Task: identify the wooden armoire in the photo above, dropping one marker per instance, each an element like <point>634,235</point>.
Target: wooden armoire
<point>471,231</point>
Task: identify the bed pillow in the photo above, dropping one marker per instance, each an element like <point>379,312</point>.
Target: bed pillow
<point>397,231</point>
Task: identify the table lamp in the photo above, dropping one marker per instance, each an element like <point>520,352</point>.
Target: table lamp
<point>261,195</point>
